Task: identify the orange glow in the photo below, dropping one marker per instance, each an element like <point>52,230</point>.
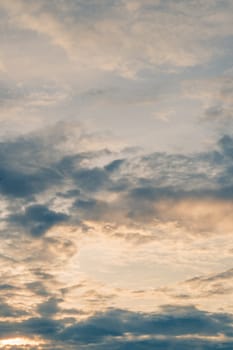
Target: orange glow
<point>18,341</point>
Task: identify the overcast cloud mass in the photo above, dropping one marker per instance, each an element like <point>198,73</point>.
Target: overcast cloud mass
<point>116,174</point>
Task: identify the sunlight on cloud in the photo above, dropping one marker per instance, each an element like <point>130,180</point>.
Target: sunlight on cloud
<point>18,342</point>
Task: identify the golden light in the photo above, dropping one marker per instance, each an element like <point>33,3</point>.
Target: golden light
<point>18,341</point>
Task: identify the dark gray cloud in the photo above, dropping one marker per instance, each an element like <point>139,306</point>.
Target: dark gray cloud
<point>45,327</point>
<point>9,311</point>
<point>91,180</point>
<point>91,209</point>
<point>37,219</point>
<point>38,288</point>
<point>113,326</point>
<point>20,185</point>
<point>6,287</point>
<point>49,307</point>
<point>114,165</point>
<point>158,344</point>
<point>226,143</point>
<point>31,168</point>
<point>24,171</point>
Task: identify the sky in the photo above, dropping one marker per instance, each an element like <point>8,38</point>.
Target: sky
<point>116,174</point>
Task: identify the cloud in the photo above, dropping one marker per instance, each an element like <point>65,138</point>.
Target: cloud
<point>49,307</point>
<point>6,287</point>
<point>91,179</point>
<point>38,288</point>
<point>114,165</point>
<point>215,95</point>
<point>37,219</point>
<point>124,328</point>
<point>23,169</point>
<point>193,190</point>
<point>149,34</point>
<point>212,285</point>
<point>110,324</point>
<point>19,184</point>
<point>104,245</point>
<point>8,311</point>
<point>99,214</point>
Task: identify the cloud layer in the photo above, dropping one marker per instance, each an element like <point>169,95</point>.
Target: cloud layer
<point>116,190</point>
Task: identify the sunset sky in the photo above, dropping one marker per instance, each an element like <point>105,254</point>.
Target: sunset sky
<point>116,174</point>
